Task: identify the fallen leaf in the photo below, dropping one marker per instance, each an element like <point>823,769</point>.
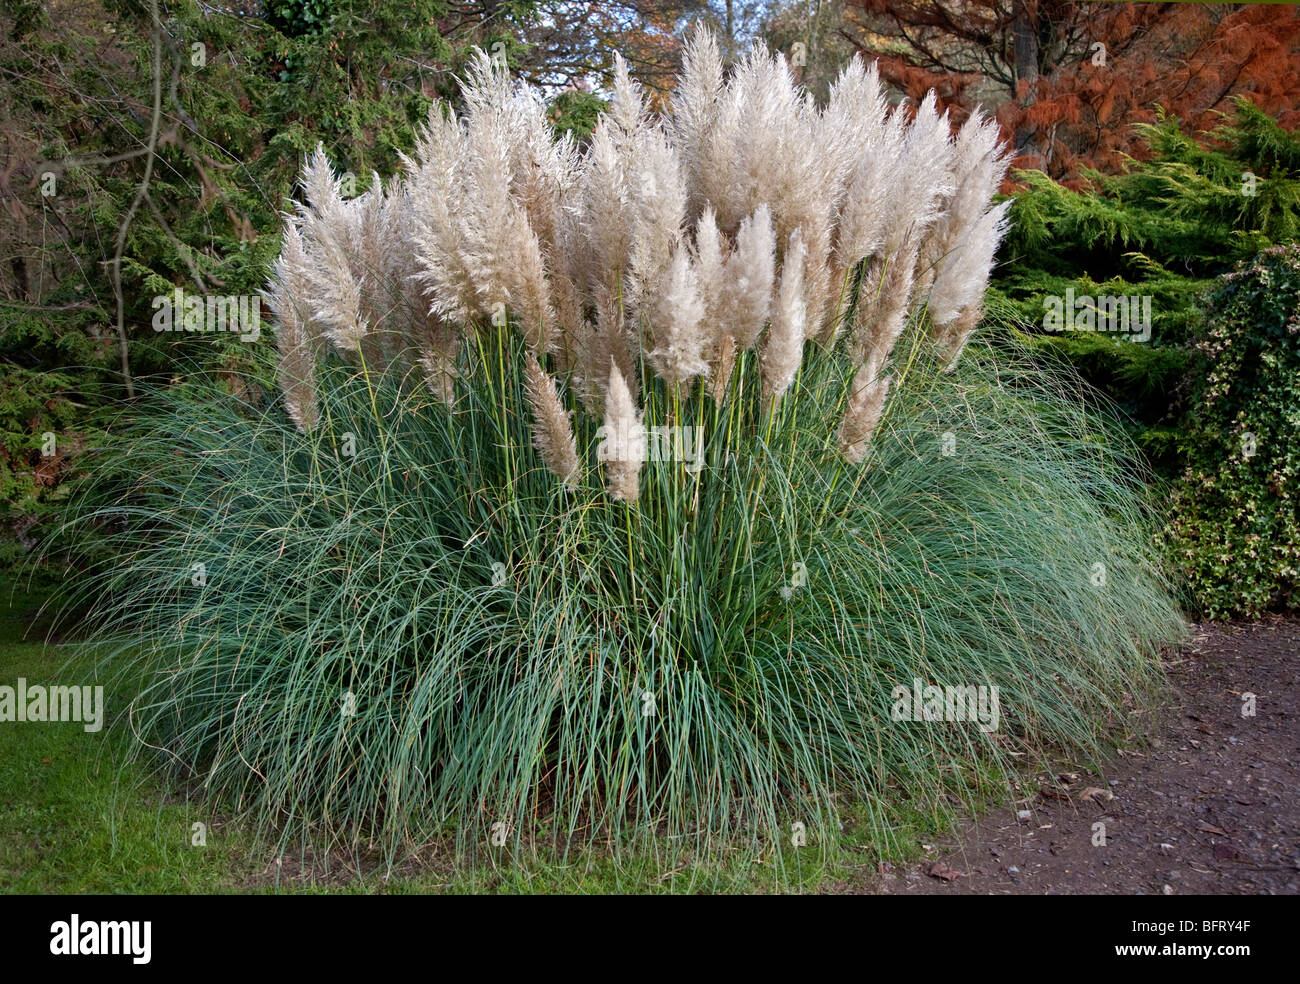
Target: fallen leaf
<point>1051,792</point>
<point>943,872</point>
<point>1210,828</point>
<point>1096,793</point>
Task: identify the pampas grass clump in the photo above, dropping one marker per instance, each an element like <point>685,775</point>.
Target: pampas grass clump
<point>611,492</point>
<point>749,219</point>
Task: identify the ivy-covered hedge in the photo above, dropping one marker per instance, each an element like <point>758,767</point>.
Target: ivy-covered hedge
<point>1234,526</point>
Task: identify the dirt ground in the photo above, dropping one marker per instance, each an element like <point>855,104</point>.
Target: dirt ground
<point>1209,807</point>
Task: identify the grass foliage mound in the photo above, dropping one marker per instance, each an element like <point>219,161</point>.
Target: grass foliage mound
<point>400,626</point>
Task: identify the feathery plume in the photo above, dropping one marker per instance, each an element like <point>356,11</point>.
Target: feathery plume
<point>323,191</point>
<point>853,123</point>
<point>422,337</point>
<point>543,170</point>
<point>365,248</point>
<point>709,260</point>
<point>750,274</point>
<point>658,210</point>
<point>951,338</point>
<point>926,179</point>
<point>437,347</point>
<point>873,176</point>
<point>978,165</point>
<point>526,286</point>
<point>862,414</point>
<point>404,307</point>
<point>552,429</point>
<point>721,369</point>
<point>485,88</point>
<point>865,213</point>
<point>783,349</point>
<point>882,308</point>
<point>623,439</point>
<point>328,237</point>
<point>294,335</point>
<point>927,264</point>
<point>606,210</point>
<point>568,320</point>
<point>677,355</point>
<point>337,293</point>
<point>627,107</point>
<point>759,147</point>
<point>962,275</point>
<point>489,218</point>
<point>819,292</point>
<point>695,106</point>
<point>436,189</point>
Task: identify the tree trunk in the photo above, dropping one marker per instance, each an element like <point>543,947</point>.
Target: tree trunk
<point>1024,28</point>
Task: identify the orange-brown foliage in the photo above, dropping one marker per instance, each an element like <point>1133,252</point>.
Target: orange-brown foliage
<point>1190,59</point>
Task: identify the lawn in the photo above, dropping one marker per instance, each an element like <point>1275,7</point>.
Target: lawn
<point>69,820</point>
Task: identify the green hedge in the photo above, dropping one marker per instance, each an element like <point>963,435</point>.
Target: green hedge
<point>1234,526</point>
<point>1165,228</point>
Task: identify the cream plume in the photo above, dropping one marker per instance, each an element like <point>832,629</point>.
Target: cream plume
<point>783,349</point>
<point>882,308</point>
<point>568,320</point>
<point>951,338</point>
<point>721,369</point>
<point>750,274</point>
<point>963,274</point>
<point>607,216</point>
<point>526,286</point>
<point>695,106</point>
<point>678,353</point>
<point>658,212</point>
<point>294,334</point>
<point>654,244</point>
<point>862,414</point>
<point>624,439</point>
<point>436,186</point>
<point>437,347</point>
<point>552,428</point>
<point>709,260</point>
